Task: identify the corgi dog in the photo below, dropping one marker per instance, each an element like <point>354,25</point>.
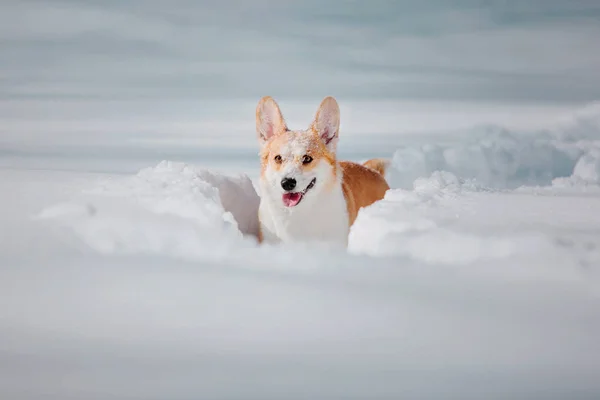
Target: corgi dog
<point>306,193</point>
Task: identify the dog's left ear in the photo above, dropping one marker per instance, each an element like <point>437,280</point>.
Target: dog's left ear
<point>327,122</point>
<point>269,120</point>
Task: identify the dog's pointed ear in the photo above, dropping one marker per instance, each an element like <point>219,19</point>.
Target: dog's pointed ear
<point>269,121</point>
<point>327,122</point>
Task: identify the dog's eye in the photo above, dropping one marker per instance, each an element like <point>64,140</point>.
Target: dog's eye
<point>306,159</point>
<point>277,158</point>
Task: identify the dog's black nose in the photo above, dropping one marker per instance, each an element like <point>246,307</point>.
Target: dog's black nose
<point>288,183</point>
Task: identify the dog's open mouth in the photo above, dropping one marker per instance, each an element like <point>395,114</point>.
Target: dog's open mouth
<point>292,199</point>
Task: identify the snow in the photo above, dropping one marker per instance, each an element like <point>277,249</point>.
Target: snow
<point>498,157</point>
<point>168,209</point>
<point>446,221</point>
<point>587,168</point>
<point>476,277</point>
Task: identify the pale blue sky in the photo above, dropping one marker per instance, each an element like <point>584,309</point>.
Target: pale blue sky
<point>521,50</point>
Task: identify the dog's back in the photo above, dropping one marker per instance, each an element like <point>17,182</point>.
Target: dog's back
<point>363,185</point>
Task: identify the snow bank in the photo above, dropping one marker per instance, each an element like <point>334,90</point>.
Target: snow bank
<point>499,158</point>
<point>173,208</point>
<point>450,221</point>
<point>586,171</point>
<point>400,225</point>
<point>493,157</point>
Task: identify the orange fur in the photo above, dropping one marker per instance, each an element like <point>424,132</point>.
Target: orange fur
<point>259,236</point>
<point>378,164</point>
<point>362,187</point>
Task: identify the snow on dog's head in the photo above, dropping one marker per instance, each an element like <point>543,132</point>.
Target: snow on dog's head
<point>297,164</point>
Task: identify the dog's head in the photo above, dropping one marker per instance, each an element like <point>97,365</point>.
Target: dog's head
<point>297,164</point>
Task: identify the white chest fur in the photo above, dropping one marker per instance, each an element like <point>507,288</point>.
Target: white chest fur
<point>322,218</point>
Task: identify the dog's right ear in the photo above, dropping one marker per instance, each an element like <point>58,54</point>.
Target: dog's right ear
<point>269,121</point>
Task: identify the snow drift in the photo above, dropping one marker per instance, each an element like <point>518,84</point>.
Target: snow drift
<point>498,158</point>
<point>173,208</point>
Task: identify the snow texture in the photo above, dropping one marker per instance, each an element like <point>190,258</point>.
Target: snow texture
<point>172,208</point>
<point>476,277</point>
<point>497,157</point>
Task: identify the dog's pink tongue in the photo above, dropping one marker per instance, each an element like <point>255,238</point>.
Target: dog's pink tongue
<point>291,199</point>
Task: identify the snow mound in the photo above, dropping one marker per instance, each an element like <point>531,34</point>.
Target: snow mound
<point>498,158</point>
<point>173,208</point>
<point>586,171</point>
<point>415,224</point>
<point>492,157</point>
<point>588,167</point>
